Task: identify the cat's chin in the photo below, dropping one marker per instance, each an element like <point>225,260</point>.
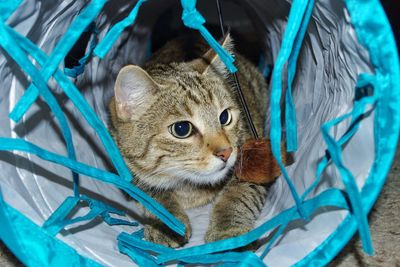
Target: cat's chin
<point>208,179</point>
<point>184,178</point>
<point>187,178</point>
<point>218,173</point>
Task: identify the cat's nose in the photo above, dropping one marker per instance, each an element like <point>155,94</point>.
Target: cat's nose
<point>223,153</point>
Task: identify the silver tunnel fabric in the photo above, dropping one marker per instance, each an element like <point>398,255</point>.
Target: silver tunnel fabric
<point>347,64</point>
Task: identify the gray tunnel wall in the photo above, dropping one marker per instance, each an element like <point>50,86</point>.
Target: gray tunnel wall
<point>330,60</point>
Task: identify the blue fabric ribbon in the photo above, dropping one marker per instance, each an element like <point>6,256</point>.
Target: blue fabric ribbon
<point>141,258</point>
<point>60,51</point>
<point>136,246</point>
<point>40,78</point>
<point>10,144</point>
<point>335,148</point>
<point>15,52</point>
<point>9,234</point>
<point>77,70</point>
<point>292,28</point>
<point>290,111</point>
<point>7,8</point>
<point>193,19</point>
<point>73,93</point>
<point>264,67</point>
<point>214,252</point>
<point>276,235</point>
<point>357,113</point>
<point>108,41</point>
<point>374,33</point>
<point>32,245</point>
<point>335,151</point>
<point>60,214</point>
<point>57,221</point>
<point>80,103</point>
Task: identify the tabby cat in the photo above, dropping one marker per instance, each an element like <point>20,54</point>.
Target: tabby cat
<point>178,124</point>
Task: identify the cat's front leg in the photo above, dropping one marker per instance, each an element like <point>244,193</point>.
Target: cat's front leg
<point>236,209</point>
<point>157,232</point>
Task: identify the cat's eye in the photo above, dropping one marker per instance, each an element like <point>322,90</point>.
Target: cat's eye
<point>182,129</point>
<point>225,117</point>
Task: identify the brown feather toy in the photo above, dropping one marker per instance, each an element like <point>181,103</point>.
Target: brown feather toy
<point>256,163</point>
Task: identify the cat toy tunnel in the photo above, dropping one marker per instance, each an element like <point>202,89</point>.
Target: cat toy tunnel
<point>335,93</point>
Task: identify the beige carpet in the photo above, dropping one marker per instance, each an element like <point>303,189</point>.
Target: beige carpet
<point>385,229</point>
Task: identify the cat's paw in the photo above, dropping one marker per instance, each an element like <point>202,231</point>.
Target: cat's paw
<point>161,234</point>
<point>215,234</point>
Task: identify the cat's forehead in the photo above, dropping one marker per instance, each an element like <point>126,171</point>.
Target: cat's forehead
<point>201,92</point>
<point>185,93</point>
<point>186,83</point>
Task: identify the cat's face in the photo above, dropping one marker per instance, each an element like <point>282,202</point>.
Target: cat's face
<point>177,124</point>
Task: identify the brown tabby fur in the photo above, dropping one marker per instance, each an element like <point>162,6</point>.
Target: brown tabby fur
<point>186,81</point>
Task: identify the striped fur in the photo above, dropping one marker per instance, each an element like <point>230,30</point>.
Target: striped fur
<point>185,82</point>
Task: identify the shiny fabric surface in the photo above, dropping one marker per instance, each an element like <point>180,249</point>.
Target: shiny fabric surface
<point>329,45</point>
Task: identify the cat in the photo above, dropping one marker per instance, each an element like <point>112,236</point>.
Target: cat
<point>178,124</point>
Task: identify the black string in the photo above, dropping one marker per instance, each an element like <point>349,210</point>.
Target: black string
<point>236,79</point>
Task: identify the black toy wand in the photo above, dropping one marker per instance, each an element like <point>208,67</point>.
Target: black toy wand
<point>255,162</point>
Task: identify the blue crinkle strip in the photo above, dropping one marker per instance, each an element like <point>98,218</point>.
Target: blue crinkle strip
<point>215,252</point>
<point>75,30</point>
<point>290,111</point>
<point>108,41</point>
<point>16,52</point>
<point>192,18</point>
<point>77,70</point>
<point>11,144</point>
<point>292,28</point>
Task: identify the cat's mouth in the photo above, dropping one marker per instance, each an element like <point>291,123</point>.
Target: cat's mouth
<point>217,172</point>
<point>221,166</point>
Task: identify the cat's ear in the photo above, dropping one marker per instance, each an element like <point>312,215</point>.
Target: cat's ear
<point>210,61</point>
<point>133,90</point>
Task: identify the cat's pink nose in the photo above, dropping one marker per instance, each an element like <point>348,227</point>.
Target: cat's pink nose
<point>224,153</point>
